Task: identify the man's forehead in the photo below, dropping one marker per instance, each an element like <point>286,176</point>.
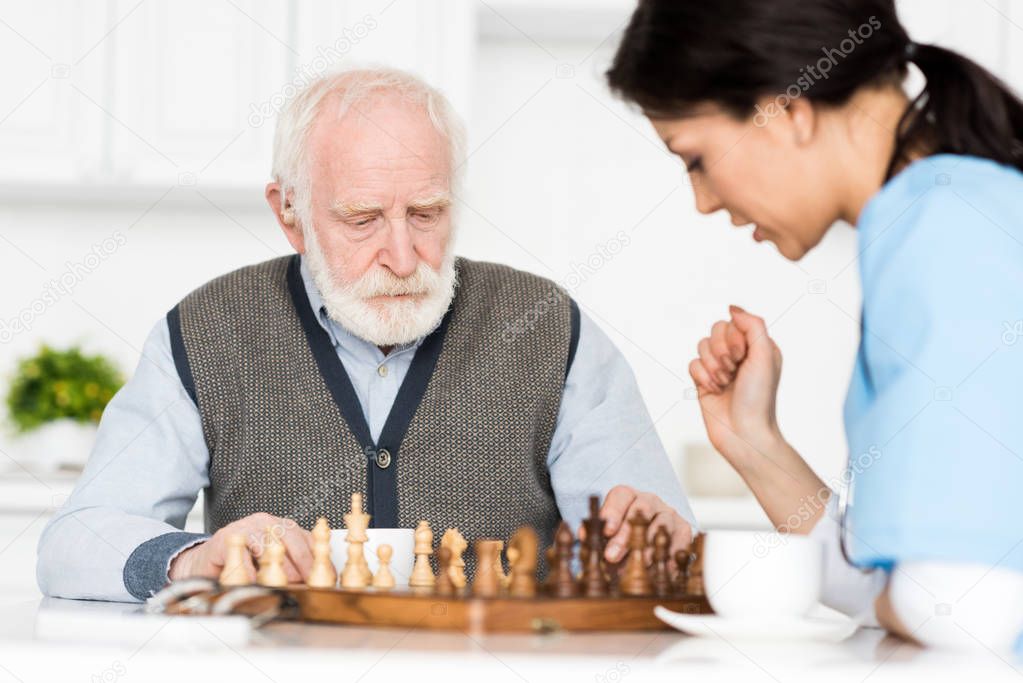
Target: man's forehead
<point>387,127</point>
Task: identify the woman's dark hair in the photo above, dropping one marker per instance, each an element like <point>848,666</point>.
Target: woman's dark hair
<point>679,53</point>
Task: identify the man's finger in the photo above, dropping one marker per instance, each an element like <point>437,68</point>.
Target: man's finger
<point>618,544</point>
<point>298,543</point>
<point>616,504</point>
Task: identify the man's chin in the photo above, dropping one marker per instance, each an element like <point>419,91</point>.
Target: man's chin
<point>396,321</point>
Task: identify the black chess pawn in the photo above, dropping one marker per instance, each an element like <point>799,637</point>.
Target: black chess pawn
<point>594,583</point>
<point>564,584</point>
<point>661,576</point>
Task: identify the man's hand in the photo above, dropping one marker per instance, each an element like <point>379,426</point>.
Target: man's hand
<point>207,558</point>
<point>621,503</point>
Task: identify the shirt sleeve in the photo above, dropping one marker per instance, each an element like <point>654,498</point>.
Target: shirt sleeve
<point>845,588</point>
<point>604,435</point>
<point>114,538</point>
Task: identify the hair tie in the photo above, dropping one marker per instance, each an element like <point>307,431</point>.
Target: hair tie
<point>910,51</point>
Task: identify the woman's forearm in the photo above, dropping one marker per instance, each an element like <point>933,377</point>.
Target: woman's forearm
<point>792,495</point>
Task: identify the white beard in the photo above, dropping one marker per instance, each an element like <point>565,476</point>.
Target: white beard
<point>391,323</point>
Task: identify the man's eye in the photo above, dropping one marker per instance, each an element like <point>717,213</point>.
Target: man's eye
<point>426,217</point>
<point>362,222</point>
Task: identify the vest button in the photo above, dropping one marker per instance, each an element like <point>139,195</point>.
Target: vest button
<point>383,459</point>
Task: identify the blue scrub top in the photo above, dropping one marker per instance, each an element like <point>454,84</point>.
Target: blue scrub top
<point>934,414</point>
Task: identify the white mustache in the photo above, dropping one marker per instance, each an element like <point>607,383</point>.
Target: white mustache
<point>382,282</point>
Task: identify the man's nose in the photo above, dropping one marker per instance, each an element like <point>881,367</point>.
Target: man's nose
<point>399,254</point>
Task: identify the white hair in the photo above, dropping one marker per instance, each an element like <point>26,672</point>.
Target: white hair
<point>354,87</point>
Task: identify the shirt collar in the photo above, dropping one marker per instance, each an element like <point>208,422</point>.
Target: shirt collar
<point>339,336</point>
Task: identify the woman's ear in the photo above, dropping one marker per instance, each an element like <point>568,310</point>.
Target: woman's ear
<point>803,117</point>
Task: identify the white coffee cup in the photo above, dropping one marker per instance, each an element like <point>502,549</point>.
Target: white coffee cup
<point>400,540</point>
<point>761,574</point>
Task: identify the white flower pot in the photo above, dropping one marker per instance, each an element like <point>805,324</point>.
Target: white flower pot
<point>57,445</point>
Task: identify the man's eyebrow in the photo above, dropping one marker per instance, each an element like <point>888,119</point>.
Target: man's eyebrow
<point>347,209</point>
<point>438,201</point>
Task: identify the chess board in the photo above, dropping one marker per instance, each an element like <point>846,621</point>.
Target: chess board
<point>595,596</point>
<point>543,613</point>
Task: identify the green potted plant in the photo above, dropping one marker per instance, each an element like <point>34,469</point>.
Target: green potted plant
<point>55,401</point>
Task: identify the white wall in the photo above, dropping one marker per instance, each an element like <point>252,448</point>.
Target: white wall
<point>558,170</point>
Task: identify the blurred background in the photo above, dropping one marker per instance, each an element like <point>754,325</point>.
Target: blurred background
<point>136,143</point>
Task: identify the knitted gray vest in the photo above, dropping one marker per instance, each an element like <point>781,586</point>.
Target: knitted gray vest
<point>465,444</point>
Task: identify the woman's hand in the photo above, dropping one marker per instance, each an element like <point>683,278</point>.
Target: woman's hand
<point>736,377</point>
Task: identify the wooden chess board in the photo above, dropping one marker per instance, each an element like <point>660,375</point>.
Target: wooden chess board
<point>412,608</point>
<point>600,597</point>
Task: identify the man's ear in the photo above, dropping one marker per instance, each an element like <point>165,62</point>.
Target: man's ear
<point>284,212</point>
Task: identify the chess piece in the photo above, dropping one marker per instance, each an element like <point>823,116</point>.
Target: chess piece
<point>563,583</point>
<point>512,553</point>
<point>445,582</point>
<point>552,576</point>
<point>422,574</point>
<point>455,542</point>
<point>322,574</point>
<point>356,572</point>
<point>661,578</point>
<point>384,579</point>
<point>236,562</point>
<point>487,583</point>
<point>694,581</point>
<point>271,562</point>
<point>683,559</point>
<point>594,582</point>
<point>634,579</point>
<point>522,563</point>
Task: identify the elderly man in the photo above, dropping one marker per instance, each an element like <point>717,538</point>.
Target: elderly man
<point>464,393</point>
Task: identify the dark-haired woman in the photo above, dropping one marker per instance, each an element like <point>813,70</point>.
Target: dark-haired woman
<point>791,116</point>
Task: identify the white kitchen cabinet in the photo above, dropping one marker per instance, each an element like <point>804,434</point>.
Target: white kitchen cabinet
<point>27,502</point>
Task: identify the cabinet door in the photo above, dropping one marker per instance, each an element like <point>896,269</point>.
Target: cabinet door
<point>1012,28</point>
<point>433,38</point>
<point>187,76</point>
<point>19,535</point>
<point>51,53</point>
<point>976,29</point>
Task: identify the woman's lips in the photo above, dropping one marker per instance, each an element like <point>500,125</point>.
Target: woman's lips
<point>758,234</point>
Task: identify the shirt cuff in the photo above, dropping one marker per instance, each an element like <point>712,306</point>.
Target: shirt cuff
<point>846,588</point>
<point>146,570</point>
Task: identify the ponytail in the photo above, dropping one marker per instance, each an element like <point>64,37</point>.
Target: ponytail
<point>964,109</point>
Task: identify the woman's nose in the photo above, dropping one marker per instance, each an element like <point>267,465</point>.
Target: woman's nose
<point>706,201</point>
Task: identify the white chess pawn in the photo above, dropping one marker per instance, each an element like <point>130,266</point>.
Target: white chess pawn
<point>236,562</point>
<point>384,579</point>
<point>271,562</point>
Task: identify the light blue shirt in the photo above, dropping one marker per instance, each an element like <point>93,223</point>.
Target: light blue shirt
<point>934,414</point>
<point>150,459</point>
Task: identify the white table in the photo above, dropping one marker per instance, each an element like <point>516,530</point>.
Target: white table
<point>113,642</point>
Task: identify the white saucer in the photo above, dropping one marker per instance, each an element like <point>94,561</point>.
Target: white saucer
<point>831,628</point>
